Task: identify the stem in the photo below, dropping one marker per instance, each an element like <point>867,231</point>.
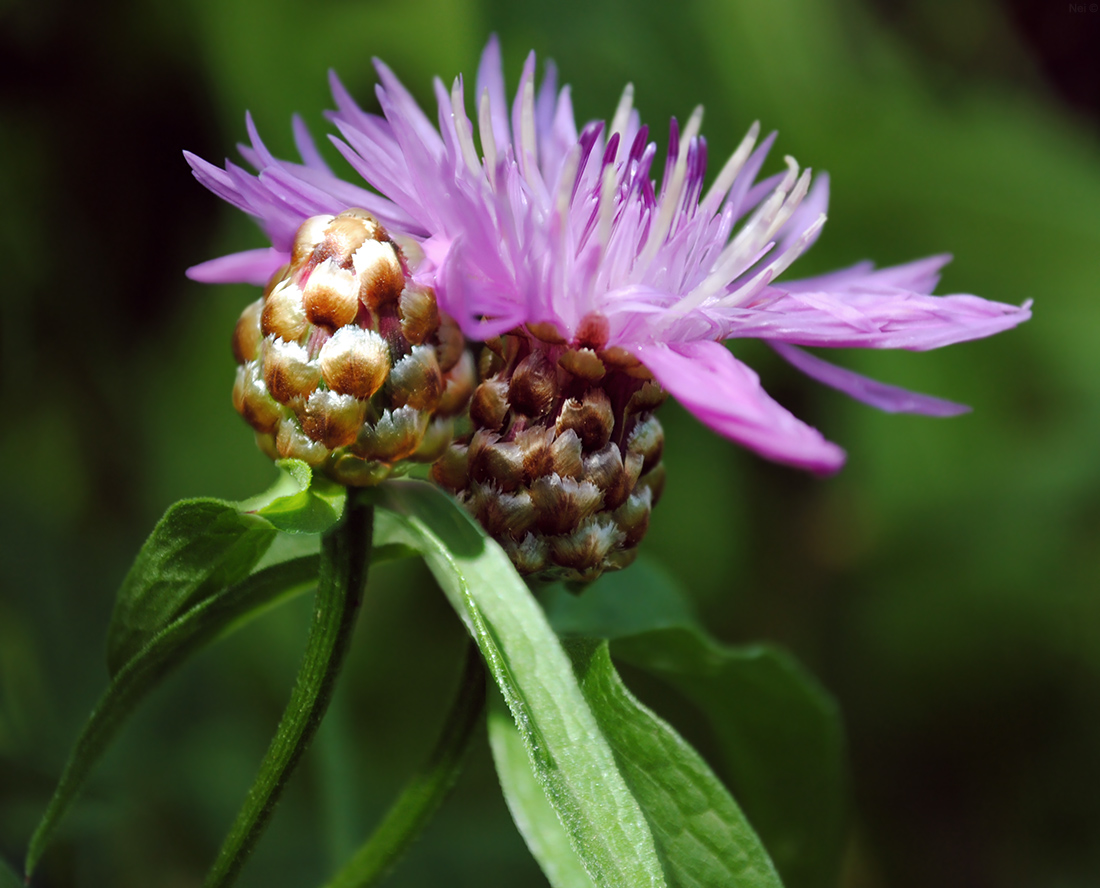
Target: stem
<point>427,789</point>
<point>345,557</point>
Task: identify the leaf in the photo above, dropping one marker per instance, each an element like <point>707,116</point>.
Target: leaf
<point>780,735</point>
<point>197,549</point>
<point>779,732</point>
<point>530,808</point>
<point>211,618</point>
<point>300,501</point>
<point>570,757</point>
<point>8,878</point>
<point>202,546</point>
<point>703,838</point>
<point>166,650</point>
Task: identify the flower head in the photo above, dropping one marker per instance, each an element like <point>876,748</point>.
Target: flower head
<point>587,279</point>
<point>565,232</point>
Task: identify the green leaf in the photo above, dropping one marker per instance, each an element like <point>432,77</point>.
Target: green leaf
<point>197,549</point>
<point>300,501</point>
<point>202,546</point>
<point>166,650</point>
<point>345,557</point>
<point>778,731</point>
<point>530,808</point>
<point>571,759</point>
<point>703,838</point>
<point>780,735</point>
<point>8,878</point>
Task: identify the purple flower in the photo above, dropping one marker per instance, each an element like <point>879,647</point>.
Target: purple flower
<point>567,232</point>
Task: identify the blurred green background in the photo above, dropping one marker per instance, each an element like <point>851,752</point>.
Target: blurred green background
<point>945,586</point>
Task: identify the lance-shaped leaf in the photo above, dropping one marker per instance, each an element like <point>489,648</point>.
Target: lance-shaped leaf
<point>571,758</point>
<point>203,546</point>
<point>703,838</point>
<point>778,731</point>
<point>166,650</point>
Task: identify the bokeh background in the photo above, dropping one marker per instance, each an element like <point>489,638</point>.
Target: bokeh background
<point>945,586</point>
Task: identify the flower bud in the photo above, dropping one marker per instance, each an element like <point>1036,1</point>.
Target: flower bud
<point>344,362</point>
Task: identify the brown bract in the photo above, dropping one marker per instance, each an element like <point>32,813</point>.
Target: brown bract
<point>562,463</point>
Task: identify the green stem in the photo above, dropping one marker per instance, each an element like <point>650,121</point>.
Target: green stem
<point>427,789</point>
<point>345,557</point>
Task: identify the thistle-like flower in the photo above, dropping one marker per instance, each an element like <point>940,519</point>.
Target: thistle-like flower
<point>596,292</point>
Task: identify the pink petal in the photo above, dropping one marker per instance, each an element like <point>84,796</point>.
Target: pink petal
<point>873,318</point>
<point>247,267</point>
<point>726,395</point>
<point>878,394</point>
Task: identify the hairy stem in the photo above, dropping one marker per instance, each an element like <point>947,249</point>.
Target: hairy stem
<point>345,557</point>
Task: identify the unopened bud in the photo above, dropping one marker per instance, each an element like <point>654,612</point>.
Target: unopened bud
<point>331,295</point>
<point>355,361</point>
<point>347,364</point>
<point>288,371</point>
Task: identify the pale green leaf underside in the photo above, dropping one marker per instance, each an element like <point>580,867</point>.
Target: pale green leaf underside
<point>702,836</point>
<point>569,754</point>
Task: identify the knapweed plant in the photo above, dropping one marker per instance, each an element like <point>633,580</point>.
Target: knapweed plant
<point>506,304</point>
